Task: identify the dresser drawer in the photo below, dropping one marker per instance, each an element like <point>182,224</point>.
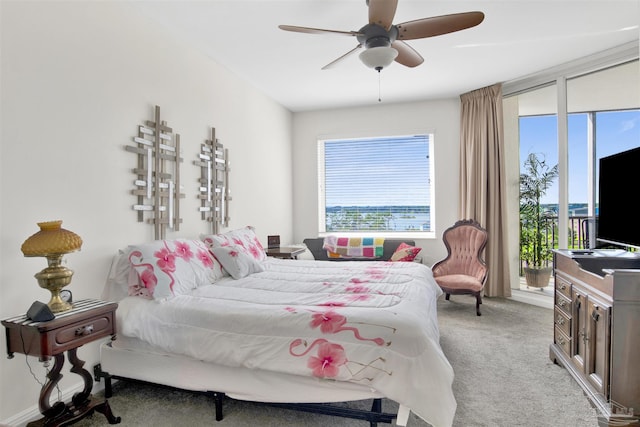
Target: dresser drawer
<point>562,321</point>
<point>563,341</point>
<point>563,303</point>
<point>563,286</point>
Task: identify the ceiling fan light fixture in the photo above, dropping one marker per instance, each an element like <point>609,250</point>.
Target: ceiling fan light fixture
<point>378,57</point>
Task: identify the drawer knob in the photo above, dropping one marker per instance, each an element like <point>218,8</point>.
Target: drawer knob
<point>84,330</point>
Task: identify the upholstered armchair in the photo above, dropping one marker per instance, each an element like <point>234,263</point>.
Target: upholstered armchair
<point>463,271</point>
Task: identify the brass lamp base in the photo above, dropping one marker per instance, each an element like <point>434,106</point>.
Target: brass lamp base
<point>54,278</point>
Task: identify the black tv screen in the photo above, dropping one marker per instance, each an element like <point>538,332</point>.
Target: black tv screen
<point>617,194</point>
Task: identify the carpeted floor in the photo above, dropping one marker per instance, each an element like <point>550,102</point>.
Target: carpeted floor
<point>504,377</point>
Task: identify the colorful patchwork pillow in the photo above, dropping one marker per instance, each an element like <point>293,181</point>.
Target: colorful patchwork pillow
<point>171,267</point>
<point>405,252</point>
<point>244,238</point>
<point>236,261</point>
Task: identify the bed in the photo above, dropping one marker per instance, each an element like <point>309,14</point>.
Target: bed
<point>285,331</point>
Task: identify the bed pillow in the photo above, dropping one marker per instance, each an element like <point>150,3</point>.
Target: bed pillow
<point>172,267</point>
<point>245,239</point>
<point>405,252</point>
<point>236,261</point>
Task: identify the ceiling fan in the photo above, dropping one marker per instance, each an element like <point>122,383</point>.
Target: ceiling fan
<point>384,42</point>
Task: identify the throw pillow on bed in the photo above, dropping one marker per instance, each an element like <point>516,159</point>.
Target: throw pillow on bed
<point>245,239</point>
<point>405,252</point>
<point>236,261</point>
<point>172,267</point>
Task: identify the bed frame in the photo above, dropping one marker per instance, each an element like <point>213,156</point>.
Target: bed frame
<point>374,416</point>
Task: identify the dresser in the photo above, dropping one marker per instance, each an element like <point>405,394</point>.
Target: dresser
<point>597,328</point>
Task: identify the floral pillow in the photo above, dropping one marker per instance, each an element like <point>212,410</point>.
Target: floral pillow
<point>236,261</point>
<point>171,267</point>
<point>244,239</point>
<point>405,252</point>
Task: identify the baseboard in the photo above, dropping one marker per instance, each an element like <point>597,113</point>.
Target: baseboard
<point>531,298</point>
<point>32,413</point>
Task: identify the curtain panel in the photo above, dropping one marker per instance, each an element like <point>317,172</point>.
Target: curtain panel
<point>483,180</point>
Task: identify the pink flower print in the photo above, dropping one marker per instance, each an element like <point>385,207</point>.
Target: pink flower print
<point>238,242</point>
<point>375,273</point>
<point>233,253</point>
<point>332,304</point>
<point>328,360</point>
<point>255,252</point>
<point>148,279</point>
<point>356,280</point>
<point>358,289</point>
<point>257,243</point>
<point>329,321</point>
<point>183,251</point>
<point>166,260</point>
<point>204,258</point>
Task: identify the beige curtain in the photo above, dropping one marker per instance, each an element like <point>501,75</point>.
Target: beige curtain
<point>483,181</point>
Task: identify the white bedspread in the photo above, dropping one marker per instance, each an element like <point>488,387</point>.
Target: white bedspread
<point>371,323</point>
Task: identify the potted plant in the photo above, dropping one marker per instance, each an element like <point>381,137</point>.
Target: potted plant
<point>535,242</point>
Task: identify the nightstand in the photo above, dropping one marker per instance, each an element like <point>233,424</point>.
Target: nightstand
<point>87,321</point>
<point>285,252</point>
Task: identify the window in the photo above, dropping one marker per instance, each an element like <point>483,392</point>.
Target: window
<point>380,185</point>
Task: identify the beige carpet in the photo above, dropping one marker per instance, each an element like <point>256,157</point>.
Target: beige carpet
<point>503,378</point>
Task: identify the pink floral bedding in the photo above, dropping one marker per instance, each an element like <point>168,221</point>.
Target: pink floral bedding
<point>371,323</point>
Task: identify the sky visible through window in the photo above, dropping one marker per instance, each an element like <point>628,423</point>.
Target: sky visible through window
<point>616,131</point>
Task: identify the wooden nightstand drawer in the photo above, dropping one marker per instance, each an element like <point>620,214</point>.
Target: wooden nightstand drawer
<point>89,320</point>
<point>76,333</point>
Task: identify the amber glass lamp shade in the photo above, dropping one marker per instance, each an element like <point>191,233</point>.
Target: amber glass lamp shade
<point>52,242</point>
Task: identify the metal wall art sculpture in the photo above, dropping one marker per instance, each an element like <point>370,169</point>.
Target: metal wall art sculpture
<point>214,191</point>
<point>157,183</point>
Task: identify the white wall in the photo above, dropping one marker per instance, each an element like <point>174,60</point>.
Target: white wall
<point>76,80</point>
<point>441,117</point>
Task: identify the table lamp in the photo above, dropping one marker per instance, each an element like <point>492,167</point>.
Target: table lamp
<point>52,242</point>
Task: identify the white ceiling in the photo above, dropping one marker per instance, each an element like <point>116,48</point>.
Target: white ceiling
<point>516,38</point>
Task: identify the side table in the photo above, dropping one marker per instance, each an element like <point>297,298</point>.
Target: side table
<point>87,321</point>
<point>285,252</point>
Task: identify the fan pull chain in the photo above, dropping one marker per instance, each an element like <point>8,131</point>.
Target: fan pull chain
<point>379,87</point>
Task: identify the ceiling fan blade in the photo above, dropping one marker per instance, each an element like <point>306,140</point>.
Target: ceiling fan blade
<point>381,12</point>
<point>334,62</point>
<point>437,25</point>
<point>407,55</point>
<point>316,30</point>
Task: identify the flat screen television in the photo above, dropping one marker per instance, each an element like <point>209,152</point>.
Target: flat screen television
<point>617,223</point>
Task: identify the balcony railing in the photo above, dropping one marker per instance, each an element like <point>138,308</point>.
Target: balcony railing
<point>578,233</point>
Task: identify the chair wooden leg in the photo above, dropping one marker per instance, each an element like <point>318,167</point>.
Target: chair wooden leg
<point>478,302</point>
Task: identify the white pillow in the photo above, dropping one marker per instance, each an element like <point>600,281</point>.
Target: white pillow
<point>172,267</point>
<point>236,261</point>
<point>244,238</point>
